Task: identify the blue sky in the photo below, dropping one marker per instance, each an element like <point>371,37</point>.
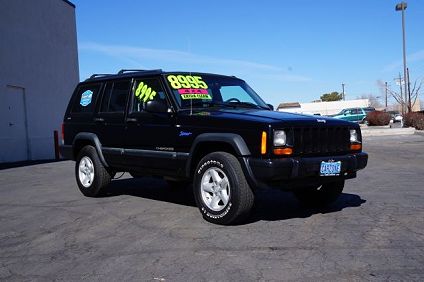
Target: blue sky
<point>286,50</point>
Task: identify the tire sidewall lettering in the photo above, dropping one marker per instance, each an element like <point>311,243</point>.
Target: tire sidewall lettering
<point>205,211</point>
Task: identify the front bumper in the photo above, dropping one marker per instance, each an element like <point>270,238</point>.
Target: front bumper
<point>297,171</point>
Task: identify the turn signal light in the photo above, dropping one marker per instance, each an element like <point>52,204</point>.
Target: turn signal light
<point>283,151</point>
<point>355,147</point>
<point>263,143</point>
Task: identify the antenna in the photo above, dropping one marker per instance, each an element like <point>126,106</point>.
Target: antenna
<point>191,103</point>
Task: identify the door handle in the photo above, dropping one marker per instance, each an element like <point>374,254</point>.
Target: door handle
<point>99,119</point>
<point>132,120</point>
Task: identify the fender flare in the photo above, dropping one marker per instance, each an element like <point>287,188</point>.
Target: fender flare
<point>88,136</point>
<point>234,140</point>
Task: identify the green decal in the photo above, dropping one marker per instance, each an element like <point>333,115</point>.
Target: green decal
<point>186,81</point>
<point>144,92</point>
<point>196,96</point>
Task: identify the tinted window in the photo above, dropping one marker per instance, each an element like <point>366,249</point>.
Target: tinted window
<point>146,90</point>
<point>115,96</point>
<point>85,98</point>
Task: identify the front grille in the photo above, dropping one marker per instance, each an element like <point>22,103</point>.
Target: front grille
<point>320,140</point>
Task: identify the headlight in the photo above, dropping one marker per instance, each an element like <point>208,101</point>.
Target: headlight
<point>353,136</point>
<point>279,138</point>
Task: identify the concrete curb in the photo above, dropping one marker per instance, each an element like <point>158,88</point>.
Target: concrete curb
<point>419,132</point>
<point>388,131</point>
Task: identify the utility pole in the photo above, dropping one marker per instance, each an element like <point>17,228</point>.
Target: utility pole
<point>401,7</point>
<point>402,100</point>
<point>343,93</point>
<point>409,91</point>
<point>386,95</point>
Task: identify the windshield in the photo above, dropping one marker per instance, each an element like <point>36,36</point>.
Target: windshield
<point>203,90</point>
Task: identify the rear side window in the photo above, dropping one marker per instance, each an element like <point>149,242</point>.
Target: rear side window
<point>85,98</point>
<point>115,96</point>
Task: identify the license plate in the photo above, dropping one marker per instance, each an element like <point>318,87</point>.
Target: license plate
<point>330,168</point>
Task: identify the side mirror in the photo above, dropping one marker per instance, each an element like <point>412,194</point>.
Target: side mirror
<point>156,106</point>
<point>271,107</point>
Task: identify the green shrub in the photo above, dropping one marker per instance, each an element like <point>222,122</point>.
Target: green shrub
<point>414,120</point>
<point>378,118</point>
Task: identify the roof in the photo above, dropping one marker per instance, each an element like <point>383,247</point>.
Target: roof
<point>125,73</point>
<point>69,3</point>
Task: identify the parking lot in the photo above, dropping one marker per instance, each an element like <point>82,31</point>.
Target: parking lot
<point>144,230</point>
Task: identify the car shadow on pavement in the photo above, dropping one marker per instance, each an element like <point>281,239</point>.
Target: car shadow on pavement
<point>270,205</point>
<point>151,188</point>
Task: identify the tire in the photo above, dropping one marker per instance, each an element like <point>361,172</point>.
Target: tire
<point>92,177</point>
<point>178,185</point>
<point>230,201</point>
<point>319,196</point>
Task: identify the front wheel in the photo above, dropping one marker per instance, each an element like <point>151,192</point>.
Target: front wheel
<point>319,196</point>
<point>221,190</point>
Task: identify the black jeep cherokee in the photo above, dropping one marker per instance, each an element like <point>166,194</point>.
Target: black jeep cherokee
<point>210,130</point>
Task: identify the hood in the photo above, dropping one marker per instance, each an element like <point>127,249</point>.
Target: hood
<point>244,115</point>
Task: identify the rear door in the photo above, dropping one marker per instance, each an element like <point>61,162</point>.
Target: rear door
<point>150,136</point>
<point>109,120</point>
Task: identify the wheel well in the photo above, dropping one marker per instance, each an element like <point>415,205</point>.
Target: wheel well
<point>205,148</point>
<point>79,144</point>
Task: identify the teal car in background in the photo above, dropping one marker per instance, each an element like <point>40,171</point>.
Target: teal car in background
<point>354,114</point>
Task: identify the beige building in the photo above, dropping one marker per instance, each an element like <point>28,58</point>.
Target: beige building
<point>322,108</point>
<point>39,70</point>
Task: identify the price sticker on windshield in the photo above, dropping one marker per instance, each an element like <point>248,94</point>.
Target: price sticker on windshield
<point>186,82</point>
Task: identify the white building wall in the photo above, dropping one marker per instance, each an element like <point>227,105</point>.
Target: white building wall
<point>39,57</point>
<point>327,108</point>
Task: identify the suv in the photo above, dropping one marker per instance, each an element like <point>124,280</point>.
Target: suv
<point>210,130</point>
<point>354,114</point>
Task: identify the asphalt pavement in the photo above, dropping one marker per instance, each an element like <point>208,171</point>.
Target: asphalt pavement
<point>143,230</point>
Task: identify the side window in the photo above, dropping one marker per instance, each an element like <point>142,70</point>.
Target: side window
<point>115,96</point>
<point>146,90</point>
<point>85,98</point>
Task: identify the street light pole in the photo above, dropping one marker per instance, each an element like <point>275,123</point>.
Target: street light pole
<point>386,96</point>
<point>401,7</point>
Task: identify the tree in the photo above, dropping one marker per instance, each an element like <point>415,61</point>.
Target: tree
<point>333,96</point>
<point>412,96</point>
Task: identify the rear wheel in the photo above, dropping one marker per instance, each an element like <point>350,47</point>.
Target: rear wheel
<point>221,190</point>
<point>92,177</point>
<point>319,196</point>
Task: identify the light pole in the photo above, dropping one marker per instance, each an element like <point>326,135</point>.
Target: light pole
<point>385,104</point>
<point>402,7</point>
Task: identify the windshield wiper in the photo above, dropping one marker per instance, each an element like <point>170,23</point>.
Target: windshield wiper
<point>244,105</point>
<point>207,104</point>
